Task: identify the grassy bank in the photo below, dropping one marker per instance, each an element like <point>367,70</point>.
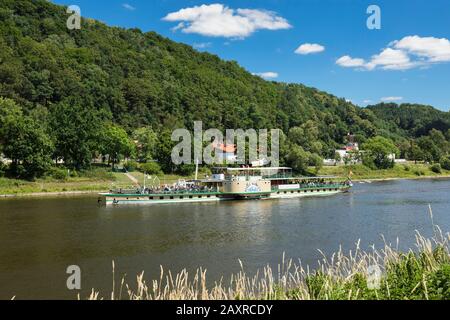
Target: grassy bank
<point>420,275</point>
<point>400,171</point>
<point>74,184</point>
<point>92,181</point>
<point>103,180</point>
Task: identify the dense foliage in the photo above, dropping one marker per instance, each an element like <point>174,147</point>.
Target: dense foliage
<point>73,87</point>
<point>378,153</point>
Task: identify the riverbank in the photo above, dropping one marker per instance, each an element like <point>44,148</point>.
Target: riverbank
<point>93,184</point>
<point>89,184</point>
<point>400,171</point>
<point>51,187</point>
<point>385,274</point>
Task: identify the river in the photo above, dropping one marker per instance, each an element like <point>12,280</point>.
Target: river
<point>40,238</point>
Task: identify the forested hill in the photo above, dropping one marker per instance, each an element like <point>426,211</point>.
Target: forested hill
<point>412,120</point>
<point>144,79</point>
<point>68,84</point>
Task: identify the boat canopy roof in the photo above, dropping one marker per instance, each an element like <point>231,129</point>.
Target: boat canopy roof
<point>254,169</point>
<point>318,178</point>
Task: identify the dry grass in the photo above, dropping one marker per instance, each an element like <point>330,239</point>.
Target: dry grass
<point>423,273</point>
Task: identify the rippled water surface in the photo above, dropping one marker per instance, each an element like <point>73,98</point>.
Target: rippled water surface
<point>39,238</point>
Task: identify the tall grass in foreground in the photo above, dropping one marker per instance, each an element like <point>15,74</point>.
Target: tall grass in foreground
<point>422,274</point>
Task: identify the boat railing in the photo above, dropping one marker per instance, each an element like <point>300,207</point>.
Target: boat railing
<point>165,192</point>
<point>279,176</point>
<point>178,192</point>
<point>312,187</point>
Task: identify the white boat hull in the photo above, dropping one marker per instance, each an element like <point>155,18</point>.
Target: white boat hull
<point>117,200</point>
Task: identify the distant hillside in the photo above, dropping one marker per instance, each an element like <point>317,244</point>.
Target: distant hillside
<point>145,79</point>
<point>412,119</point>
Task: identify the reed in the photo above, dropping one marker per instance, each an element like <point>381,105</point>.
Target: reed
<point>422,273</point>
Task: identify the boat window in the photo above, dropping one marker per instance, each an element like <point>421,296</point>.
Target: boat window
<point>161,198</point>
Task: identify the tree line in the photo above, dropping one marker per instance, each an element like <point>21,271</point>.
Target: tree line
<point>70,96</point>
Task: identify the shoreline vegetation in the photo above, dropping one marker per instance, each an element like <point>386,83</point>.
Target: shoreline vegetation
<point>386,274</point>
<point>96,181</point>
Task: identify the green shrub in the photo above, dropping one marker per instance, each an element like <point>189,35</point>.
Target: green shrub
<point>185,170</point>
<point>445,163</point>
<point>439,283</point>
<point>74,174</point>
<point>131,166</point>
<point>436,168</point>
<point>205,171</point>
<point>407,168</point>
<point>419,172</point>
<point>150,168</point>
<point>59,174</point>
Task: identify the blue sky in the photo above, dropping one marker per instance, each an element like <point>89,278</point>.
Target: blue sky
<point>407,60</point>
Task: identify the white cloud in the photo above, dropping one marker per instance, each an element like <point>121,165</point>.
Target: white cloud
<point>128,6</point>
<point>367,101</point>
<point>349,62</point>
<point>267,75</point>
<point>430,48</point>
<point>407,53</point>
<point>391,59</point>
<point>391,99</point>
<point>309,48</point>
<point>217,20</point>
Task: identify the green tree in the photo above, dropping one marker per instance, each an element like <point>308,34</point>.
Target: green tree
<point>147,141</point>
<point>10,113</point>
<point>316,161</point>
<point>440,142</point>
<point>164,151</point>
<point>24,142</point>
<point>306,136</point>
<point>415,153</point>
<point>115,143</point>
<point>298,159</point>
<point>378,151</point>
<point>445,163</point>
<point>431,151</point>
<point>337,157</point>
<point>75,130</point>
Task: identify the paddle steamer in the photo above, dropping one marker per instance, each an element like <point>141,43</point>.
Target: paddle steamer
<point>232,184</point>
